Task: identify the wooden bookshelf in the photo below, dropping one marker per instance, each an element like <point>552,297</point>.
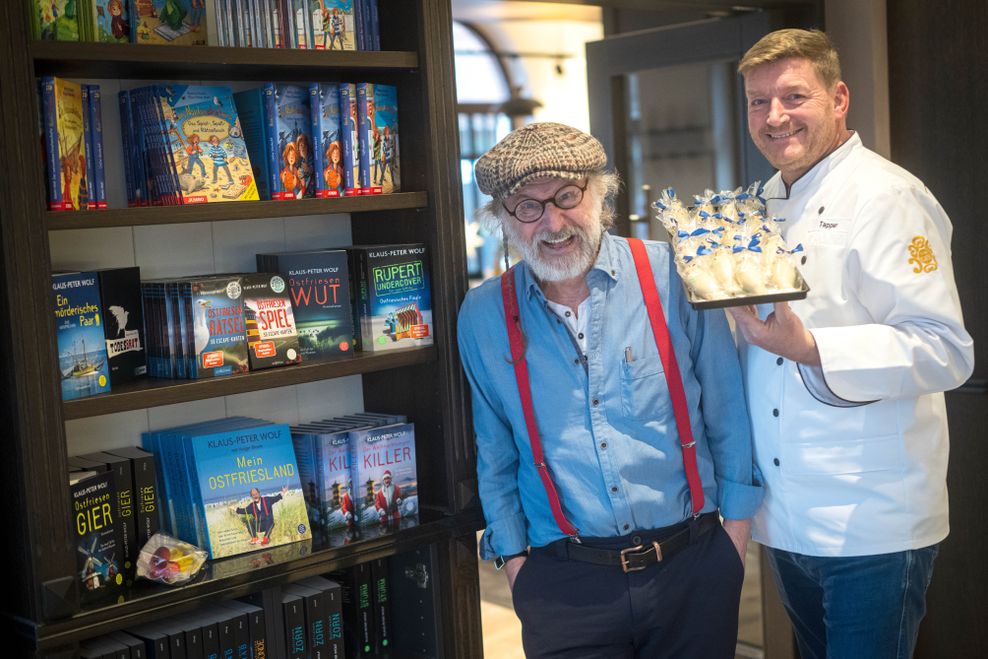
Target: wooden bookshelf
<point>42,609</point>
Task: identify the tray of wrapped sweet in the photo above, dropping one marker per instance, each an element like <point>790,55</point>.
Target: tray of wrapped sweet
<point>728,251</point>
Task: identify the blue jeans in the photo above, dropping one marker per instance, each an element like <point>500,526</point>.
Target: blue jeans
<point>858,607</point>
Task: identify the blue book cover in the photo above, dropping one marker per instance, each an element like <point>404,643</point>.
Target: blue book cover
<point>365,138</point>
<point>96,152</point>
<point>350,141</point>
<point>79,329</point>
<point>378,112</point>
<point>293,143</point>
<point>53,164</point>
<point>373,26</point>
<point>318,283</point>
<point>385,478</point>
<point>393,296</point>
<point>248,489</point>
<point>258,125</point>
<point>87,190</point>
<point>327,139</point>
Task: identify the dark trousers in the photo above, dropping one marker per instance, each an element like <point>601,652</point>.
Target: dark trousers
<point>684,607</point>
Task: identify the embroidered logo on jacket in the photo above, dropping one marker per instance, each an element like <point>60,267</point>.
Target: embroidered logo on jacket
<point>922,255</point>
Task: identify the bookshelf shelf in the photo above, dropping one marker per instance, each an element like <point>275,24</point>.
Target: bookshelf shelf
<point>143,62</point>
<point>152,392</point>
<point>240,210</point>
<point>248,573</point>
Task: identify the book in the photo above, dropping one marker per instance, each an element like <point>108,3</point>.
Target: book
<point>219,339</point>
<point>358,613</point>
<point>123,326</point>
<point>381,602</point>
<point>87,193</point>
<point>111,20</point>
<point>316,619</point>
<point>256,626</point>
<point>318,283</point>
<point>55,20</point>
<point>333,25</point>
<point>168,22</point>
<point>124,508</point>
<point>293,140</point>
<point>156,641</point>
<point>97,536</point>
<point>82,361</point>
<point>333,595</point>
<point>135,645</point>
<point>385,477</point>
<point>202,121</point>
<point>324,469</point>
<point>269,322</point>
<point>145,488</point>
<point>65,144</point>
<point>293,613</point>
<point>377,114</point>
<point>255,108</point>
<point>324,100</point>
<point>95,149</point>
<point>349,138</point>
<point>392,298</point>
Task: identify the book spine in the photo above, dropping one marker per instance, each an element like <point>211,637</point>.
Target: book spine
<point>271,137</point>
<point>315,128</point>
<point>374,25</point>
<point>381,592</point>
<point>87,137</point>
<point>359,10</point>
<point>54,164</point>
<point>363,139</point>
<point>96,110</point>
<point>348,133</point>
<point>294,615</point>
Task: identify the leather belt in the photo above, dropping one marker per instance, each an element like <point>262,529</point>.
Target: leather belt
<point>638,557</point>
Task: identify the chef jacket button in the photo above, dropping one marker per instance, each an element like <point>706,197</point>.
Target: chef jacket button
<point>802,261</point>
<point>775,412</point>
<point>820,211</point>
<point>775,462</point>
<point>779,361</point>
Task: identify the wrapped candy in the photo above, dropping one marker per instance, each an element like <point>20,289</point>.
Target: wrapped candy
<point>169,560</point>
<point>727,248</point>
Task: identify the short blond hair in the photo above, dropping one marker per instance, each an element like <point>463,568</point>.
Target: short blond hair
<point>812,45</point>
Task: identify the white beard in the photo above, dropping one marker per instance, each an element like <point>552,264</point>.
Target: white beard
<point>559,268</point>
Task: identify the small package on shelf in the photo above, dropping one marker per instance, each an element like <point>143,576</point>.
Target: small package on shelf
<point>728,251</point>
<point>169,560</point>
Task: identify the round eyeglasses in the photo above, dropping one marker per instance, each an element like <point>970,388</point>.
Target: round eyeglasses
<point>531,210</point>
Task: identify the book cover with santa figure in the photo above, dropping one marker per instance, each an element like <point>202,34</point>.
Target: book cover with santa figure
<point>385,479</point>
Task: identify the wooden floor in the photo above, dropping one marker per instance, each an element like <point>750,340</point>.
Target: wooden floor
<point>502,631</point>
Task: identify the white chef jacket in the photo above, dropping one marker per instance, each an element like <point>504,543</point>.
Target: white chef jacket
<point>854,453</point>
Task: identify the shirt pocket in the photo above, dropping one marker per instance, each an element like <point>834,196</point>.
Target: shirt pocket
<point>644,390</point>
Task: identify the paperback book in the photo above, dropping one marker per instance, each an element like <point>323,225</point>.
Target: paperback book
<point>123,326</point>
<point>333,25</point>
<point>272,338</point>
<point>318,283</point>
<point>382,463</point>
<point>82,361</point>
<point>55,20</point>
<point>377,114</point>
<point>65,144</point>
<point>168,22</point>
<point>326,139</point>
<point>97,535</point>
<point>350,140</point>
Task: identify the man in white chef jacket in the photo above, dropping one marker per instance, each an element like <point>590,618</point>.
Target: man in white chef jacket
<point>845,387</point>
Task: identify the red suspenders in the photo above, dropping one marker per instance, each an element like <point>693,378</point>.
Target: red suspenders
<point>660,331</point>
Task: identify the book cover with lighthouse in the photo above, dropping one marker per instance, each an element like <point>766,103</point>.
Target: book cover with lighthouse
<point>385,479</point>
<point>82,362</point>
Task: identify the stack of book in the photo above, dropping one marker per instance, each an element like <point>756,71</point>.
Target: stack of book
<point>177,22</point>
<point>73,139</point>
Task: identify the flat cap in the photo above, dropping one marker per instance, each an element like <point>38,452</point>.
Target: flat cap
<point>537,151</point>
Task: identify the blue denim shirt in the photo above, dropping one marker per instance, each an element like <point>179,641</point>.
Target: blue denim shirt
<point>605,419</point>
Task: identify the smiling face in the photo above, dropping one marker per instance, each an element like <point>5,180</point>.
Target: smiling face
<point>562,244</point>
<point>794,119</point>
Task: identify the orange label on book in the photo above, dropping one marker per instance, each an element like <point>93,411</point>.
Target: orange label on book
<point>264,349</point>
<point>212,359</point>
<point>419,331</point>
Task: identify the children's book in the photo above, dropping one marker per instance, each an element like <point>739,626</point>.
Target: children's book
<point>293,139</point>
<point>111,20</point>
<point>65,143</point>
<point>95,148</point>
<point>327,139</point>
<point>377,113</point>
<point>350,140</point>
<point>318,283</point>
<point>202,126</point>
<point>55,20</point>
<point>87,193</point>
<point>392,297</point>
<point>385,480</point>
<point>82,362</point>
<point>170,22</point>
<point>333,26</point>
<point>255,108</point>
<point>272,338</point>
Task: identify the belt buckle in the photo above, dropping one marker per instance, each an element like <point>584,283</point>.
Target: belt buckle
<point>626,564</point>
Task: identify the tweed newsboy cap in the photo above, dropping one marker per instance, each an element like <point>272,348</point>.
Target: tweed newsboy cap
<point>536,151</point>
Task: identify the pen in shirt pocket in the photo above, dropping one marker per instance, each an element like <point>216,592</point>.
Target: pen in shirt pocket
<point>628,357</point>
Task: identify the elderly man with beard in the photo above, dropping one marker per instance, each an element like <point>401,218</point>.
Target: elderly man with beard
<point>610,421</point>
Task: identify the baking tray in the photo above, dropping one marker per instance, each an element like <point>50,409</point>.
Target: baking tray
<point>782,296</point>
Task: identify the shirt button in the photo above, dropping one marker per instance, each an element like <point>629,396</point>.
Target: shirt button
<point>626,527</point>
<point>775,462</point>
<point>595,402</point>
<point>580,335</point>
<point>614,489</point>
<point>577,361</point>
<point>568,314</point>
<point>779,361</point>
<point>775,412</point>
<point>603,445</point>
